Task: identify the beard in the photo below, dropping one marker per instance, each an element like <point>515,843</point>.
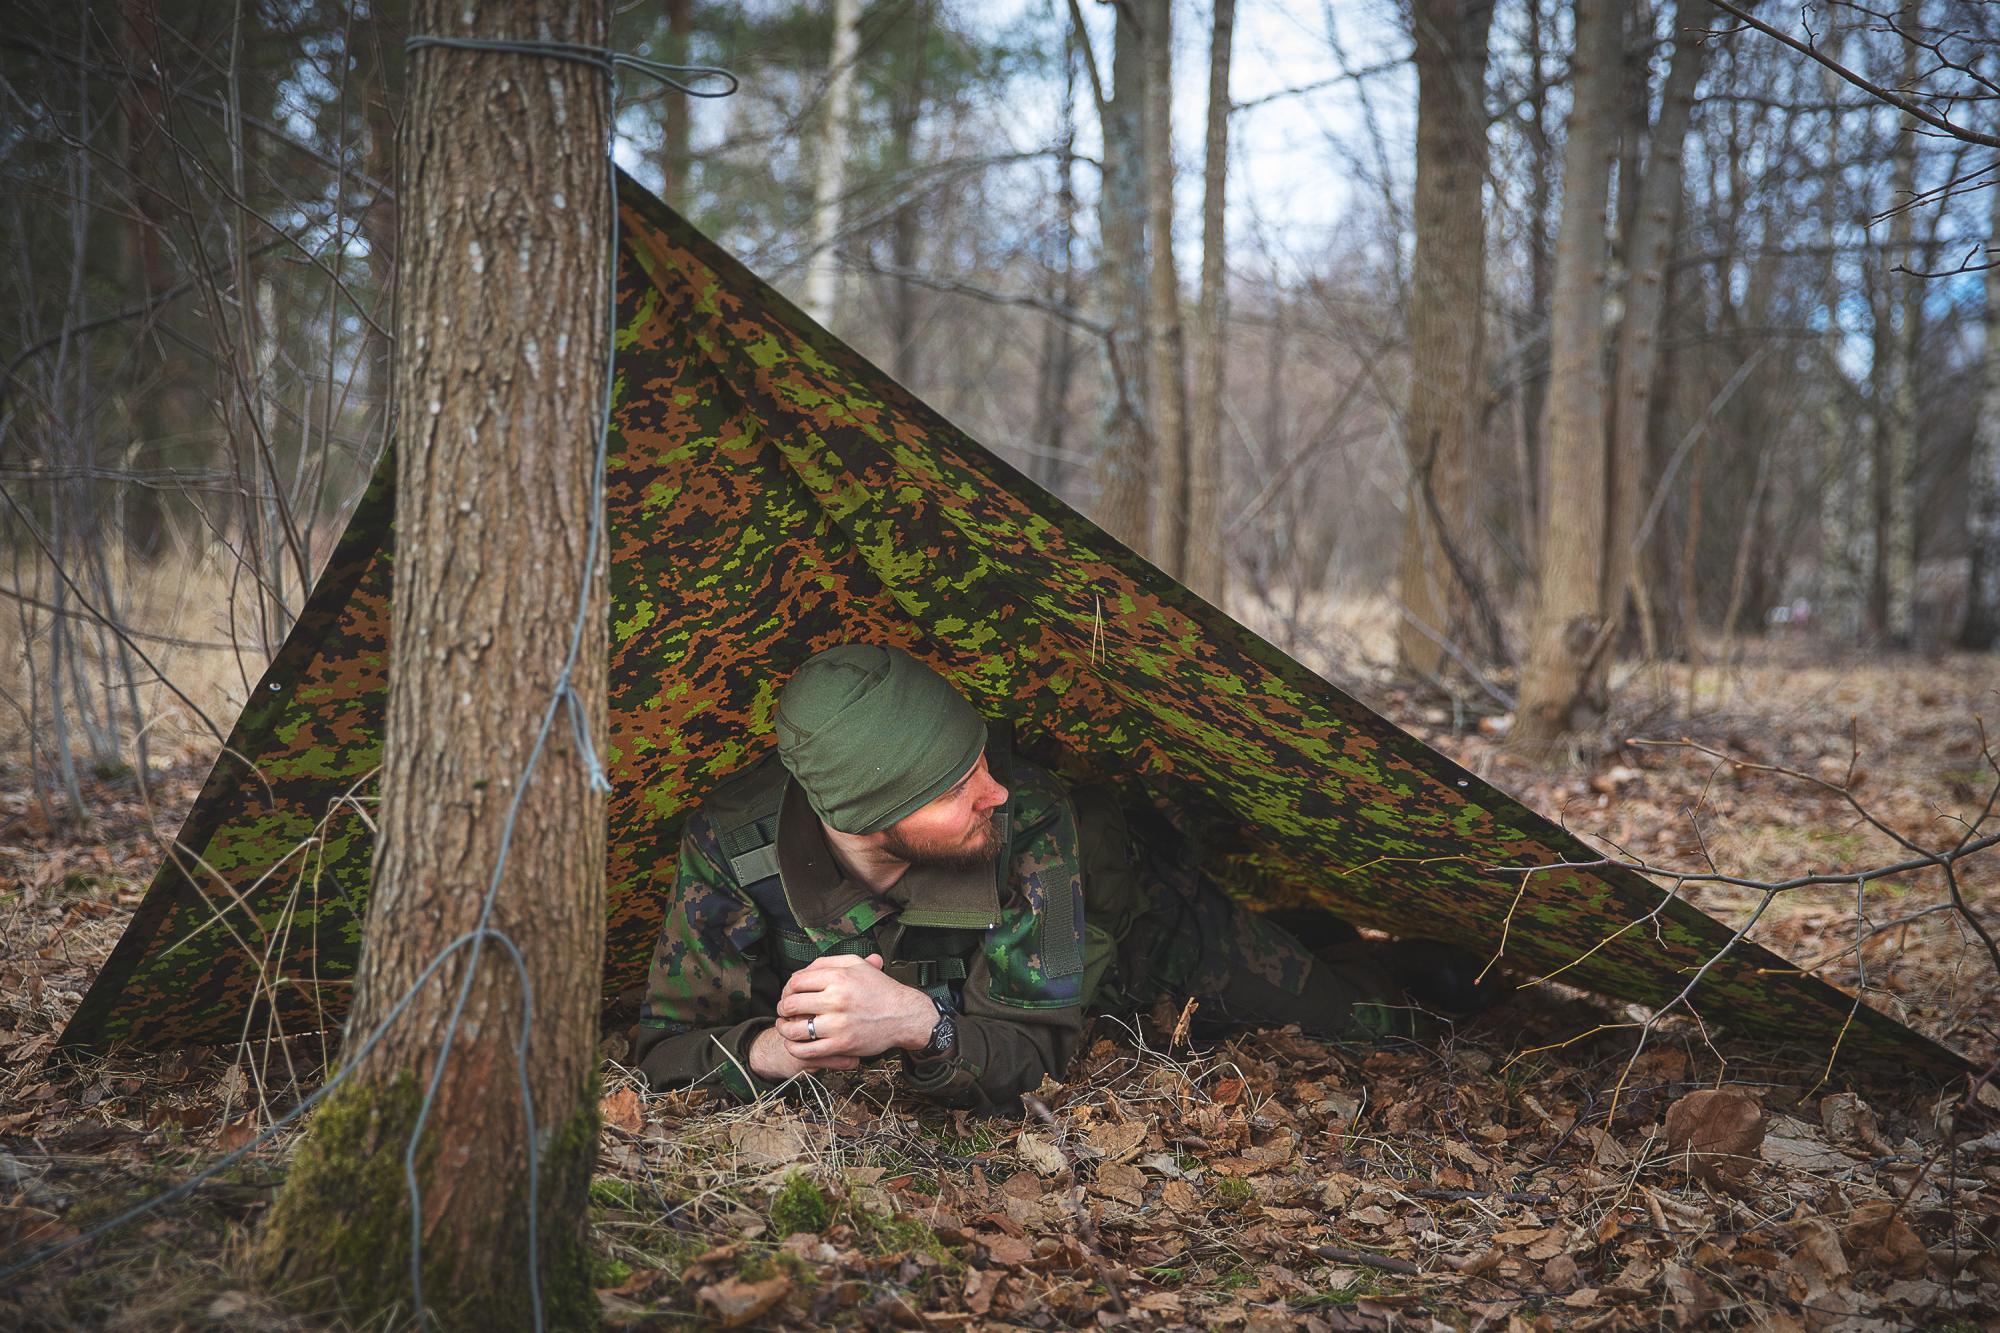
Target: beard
<point>981,851</point>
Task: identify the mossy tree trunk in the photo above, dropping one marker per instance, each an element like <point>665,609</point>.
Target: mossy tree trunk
<point>501,335</point>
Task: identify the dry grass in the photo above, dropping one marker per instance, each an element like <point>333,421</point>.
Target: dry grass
<point>189,613</point>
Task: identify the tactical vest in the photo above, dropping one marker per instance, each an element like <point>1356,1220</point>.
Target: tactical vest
<point>930,957</point>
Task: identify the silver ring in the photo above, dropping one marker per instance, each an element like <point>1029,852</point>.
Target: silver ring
<point>812,1032</point>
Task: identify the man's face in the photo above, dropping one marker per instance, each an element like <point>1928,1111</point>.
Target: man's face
<point>956,830</point>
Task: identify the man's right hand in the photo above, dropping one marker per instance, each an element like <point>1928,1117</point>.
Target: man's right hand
<point>770,1058</point>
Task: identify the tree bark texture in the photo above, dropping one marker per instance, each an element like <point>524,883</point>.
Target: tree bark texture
<point>1541,276</point>
<point>1057,363</point>
<point>1981,629</point>
<point>1124,452</point>
<point>830,165</point>
<point>1165,340</point>
<point>906,225</point>
<point>1895,479</point>
<point>1657,205</point>
<point>1846,534</point>
<point>502,347</point>
<point>1447,321</point>
<point>1569,605</point>
<point>676,121</point>
<point>1205,570</point>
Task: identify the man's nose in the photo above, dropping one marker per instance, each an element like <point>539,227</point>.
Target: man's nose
<point>995,794</point>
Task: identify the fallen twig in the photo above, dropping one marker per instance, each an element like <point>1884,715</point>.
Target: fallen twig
<point>1387,1263</point>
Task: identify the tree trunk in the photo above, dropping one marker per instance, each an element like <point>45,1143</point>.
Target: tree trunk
<point>676,116</point>
<point>164,411</point>
<point>1447,305</point>
<point>502,331</point>
<point>1205,571</point>
<point>1541,281</point>
<point>1651,242</point>
<point>1909,302</point>
<point>1123,456</point>
<point>1981,629</point>
<point>905,227</point>
<point>1058,355</point>
<point>830,170</point>
<point>1165,342</point>
<point>1555,685</point>
<point>1844,533</point>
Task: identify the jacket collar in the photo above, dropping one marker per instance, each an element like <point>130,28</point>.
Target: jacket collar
<point>827,903</point>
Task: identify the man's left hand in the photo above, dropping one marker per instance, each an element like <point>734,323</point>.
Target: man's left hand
<point>856,1009</point>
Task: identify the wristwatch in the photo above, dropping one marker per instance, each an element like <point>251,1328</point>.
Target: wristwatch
<point>945,1035</point>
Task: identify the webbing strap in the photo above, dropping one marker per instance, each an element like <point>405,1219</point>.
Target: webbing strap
<point>1062,936</point>
<point>933,975</point>
<point>755,864</point>
<point>752,848</point>
<point>800,949</point>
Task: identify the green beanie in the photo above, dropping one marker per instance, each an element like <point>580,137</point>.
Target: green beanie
<point>871,734</point>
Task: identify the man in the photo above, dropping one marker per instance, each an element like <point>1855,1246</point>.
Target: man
<point>890,881</point>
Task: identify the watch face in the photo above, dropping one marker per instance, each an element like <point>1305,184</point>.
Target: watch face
<point>943,1036</point>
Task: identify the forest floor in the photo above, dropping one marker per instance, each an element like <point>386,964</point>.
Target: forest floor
<point>1516,1174</point>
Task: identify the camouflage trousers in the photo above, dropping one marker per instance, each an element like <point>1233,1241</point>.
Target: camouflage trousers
<point>1157,928</point>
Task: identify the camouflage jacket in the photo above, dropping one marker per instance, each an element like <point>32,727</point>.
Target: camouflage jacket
<point>758,895</point>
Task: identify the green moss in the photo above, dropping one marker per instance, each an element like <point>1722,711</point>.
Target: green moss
<point>341,1222</point>
<point>1233,1192</point>
<point>1362,1284</point>
<point>611,1192</point>
<point>800,1205</point>
<point>900,1233</point>
<point>1237,1278</point>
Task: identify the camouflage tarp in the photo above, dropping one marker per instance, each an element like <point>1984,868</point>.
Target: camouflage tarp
<point>770,492</point>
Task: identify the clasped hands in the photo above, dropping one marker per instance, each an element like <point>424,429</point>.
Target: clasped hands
<point>856,1011</point>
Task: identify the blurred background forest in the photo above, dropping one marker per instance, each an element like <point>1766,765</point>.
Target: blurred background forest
<point>1497,350</point>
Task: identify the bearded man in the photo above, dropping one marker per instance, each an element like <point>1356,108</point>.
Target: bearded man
<point>892,881</point>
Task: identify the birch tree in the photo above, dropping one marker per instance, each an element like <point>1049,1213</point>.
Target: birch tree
<point>830,163</point>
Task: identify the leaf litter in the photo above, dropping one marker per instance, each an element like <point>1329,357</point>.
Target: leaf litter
<point>1512,1175</point>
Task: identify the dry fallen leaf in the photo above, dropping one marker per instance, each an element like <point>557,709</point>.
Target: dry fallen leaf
<point>1118,1143</point>
<point>1818,1257</point>
<point>1718,1130</point>
<point>1040,1154</point>
<point>768,1145</point>
<point>737,1302</point>
<point>1878,1237</point>
<point>1688,1296</point>
<point>1849,1120</point>
<point>1006,1251</point>
<point>621,1111</point>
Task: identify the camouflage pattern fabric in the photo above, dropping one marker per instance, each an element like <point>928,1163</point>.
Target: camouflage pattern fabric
<point>772,493</point>
<point>727,948</point>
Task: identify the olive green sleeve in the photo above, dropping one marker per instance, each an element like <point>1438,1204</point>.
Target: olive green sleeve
<point>1023,997</point>
<point>1001,1053</point>
<point>709,992</point>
